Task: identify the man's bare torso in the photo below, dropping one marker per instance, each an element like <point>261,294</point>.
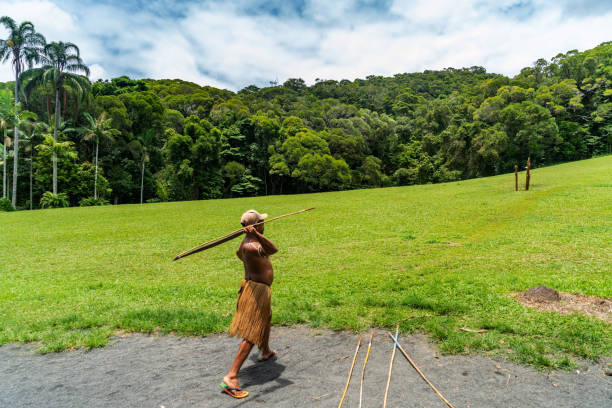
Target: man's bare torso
<point>257,264</point>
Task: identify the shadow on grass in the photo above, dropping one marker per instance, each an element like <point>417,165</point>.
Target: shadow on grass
<point>440,307</point>
<point>182,321</point>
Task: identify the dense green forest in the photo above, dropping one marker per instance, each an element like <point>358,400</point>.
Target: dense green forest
<point>125,140</point>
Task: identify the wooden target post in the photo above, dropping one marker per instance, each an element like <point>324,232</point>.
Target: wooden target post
<point>515,177</point>
<point>528,175</point>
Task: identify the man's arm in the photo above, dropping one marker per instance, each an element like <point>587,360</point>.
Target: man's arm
<point>267,245</point>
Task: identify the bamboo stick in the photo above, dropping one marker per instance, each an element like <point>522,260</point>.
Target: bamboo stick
<point>391,367</point>
<point>412,363</point>
<point>230,236</point>
<point>348,381</point>
<point>364,367</point>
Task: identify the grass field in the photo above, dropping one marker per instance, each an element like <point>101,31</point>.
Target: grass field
<point>432,258</point>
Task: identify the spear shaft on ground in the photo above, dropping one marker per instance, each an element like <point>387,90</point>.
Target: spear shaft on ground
<point>364,367</point>
<point>391,367</point>
<point>348,381</point>
<point>412,363</point>
<point>229,237</point>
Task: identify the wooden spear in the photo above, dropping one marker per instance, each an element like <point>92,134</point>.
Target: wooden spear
<point>230,236</point>
<point>391,367</point>
<point>412,363</point>
<point>348,381</point>
<point>364,367</point>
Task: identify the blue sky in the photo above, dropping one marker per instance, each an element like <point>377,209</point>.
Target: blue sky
<point>232,44</point>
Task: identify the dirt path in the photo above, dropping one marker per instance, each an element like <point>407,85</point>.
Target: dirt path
<point>155,371</point>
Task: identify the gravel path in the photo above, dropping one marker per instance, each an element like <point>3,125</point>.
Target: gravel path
<point>311,369</point>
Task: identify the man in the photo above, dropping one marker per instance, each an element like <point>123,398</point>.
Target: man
<point>253,312</point>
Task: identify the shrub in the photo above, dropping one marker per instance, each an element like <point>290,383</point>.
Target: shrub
<point>50,200</point>
<point>91,201</point>
<point>404,177</point>
<point>5,205</point>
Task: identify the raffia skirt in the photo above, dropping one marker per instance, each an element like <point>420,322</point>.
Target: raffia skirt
<point>253,313</point>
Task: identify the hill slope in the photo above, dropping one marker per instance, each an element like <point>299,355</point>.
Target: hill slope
<point>431,257</point>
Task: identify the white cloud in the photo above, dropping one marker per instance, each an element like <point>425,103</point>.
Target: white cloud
<point>47,17</point>
<point>220,45</point>
<point>96,72</point>
<point>53,22</point>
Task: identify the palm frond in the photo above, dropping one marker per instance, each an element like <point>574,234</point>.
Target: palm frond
<point>89,119</point>
<point>70,81</point>
<point>73,59</point>
<point>78,68</point>
<point>71,46</point>
<point>38,40</point>
<point>30,79</point>
<point>5,51</point>
<point>9,23</point>
<point>26,27</point>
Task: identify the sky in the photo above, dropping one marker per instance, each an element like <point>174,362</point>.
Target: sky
<point>233,44</point>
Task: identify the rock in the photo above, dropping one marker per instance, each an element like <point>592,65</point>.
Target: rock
<point>542,294</point>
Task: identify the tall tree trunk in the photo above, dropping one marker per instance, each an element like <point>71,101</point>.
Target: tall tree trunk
<point>31,177</point>
<point>4,192</point>
<point>65,105</point>
<point>8,188</point>
<point>142,180</point>
<point>15,143</point>
<point>96,173</point>
<point>57,118</point>
<point>15,167</point>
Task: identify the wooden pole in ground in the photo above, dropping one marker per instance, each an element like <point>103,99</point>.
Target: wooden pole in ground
<point>528,174</point>
<point>390,368</point>
<point>515,177</point>
<point>412,363</point>
<point>348,381</point>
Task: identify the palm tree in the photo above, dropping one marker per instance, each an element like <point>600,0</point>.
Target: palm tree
<point>61,65</point>
<point>56,149</point>
<point>28,133</point>
<point>141,147</point>
<point>23,46</point>
<point>7,143</point>
<point>6,107</point>
<point>25,121</point>
<point>98,130</point>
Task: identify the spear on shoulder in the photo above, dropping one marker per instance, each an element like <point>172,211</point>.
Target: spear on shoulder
<point>230,236</point>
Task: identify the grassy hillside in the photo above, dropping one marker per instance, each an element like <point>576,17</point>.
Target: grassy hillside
<point>431,257</point>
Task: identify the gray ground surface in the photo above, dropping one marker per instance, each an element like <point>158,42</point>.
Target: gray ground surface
<point>311,370</point>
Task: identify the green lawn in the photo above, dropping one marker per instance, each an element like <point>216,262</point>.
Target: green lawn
<point>433,258</point>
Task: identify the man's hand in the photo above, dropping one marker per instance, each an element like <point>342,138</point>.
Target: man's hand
<point>250,230</point>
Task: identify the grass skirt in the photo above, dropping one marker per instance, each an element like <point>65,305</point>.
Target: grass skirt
<point>253,313</point>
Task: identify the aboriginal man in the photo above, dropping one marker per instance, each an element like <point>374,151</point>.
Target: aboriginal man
<point>253,312</point>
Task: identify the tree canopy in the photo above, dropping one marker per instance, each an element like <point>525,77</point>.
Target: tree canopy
<point>176,140</point>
